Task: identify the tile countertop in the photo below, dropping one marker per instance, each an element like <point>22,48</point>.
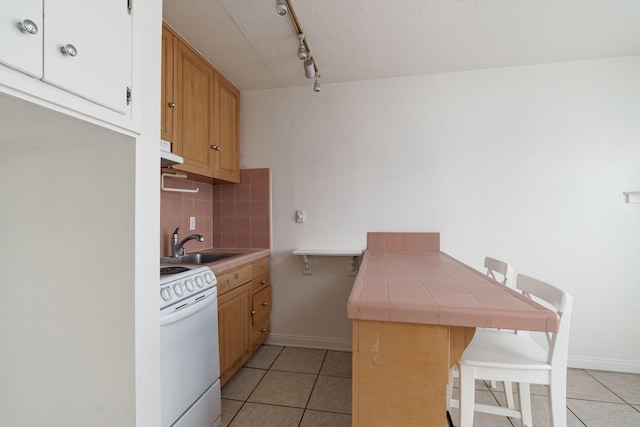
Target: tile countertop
<point>430,287</point>
<point>244,256</point>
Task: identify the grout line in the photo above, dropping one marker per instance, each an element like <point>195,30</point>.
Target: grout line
<point>605,386</point>
<point>313,387</point>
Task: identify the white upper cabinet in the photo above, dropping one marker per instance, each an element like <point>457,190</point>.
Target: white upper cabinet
<point>83,47</point>
<point>98,37</point>
<point>21,34</point>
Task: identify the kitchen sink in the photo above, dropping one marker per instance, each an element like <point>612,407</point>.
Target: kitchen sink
<point>195,258</point>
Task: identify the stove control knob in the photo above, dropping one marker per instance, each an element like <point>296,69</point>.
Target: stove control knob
<point>189,285</point>
<point>178,289</point>
<point>165,293</point>
<point>208,277</point>
<point>199,281</point>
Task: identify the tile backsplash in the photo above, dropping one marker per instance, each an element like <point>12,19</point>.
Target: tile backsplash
<point>227,215</point>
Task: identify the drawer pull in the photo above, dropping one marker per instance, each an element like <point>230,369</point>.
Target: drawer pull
<point>264,304</point>
<point>253,312</point>
<point>263,330</point>
<point>263,282</point>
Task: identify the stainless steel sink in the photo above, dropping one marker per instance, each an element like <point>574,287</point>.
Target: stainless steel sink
<point>195,258</point>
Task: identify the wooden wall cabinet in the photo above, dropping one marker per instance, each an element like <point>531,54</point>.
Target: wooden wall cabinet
<point>244,304</point>
<point>199,113</point>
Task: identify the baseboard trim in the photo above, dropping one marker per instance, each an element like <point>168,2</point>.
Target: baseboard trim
<point>328,343</point>
<point>340,344</point>
<point>602,364</point>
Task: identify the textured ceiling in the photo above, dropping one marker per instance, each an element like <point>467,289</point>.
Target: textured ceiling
<point>371,39</point>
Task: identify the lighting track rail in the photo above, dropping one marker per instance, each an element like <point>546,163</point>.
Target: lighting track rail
<point>311,69</point>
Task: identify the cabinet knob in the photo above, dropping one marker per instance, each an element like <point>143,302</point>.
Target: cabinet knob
<point>263,282</point>
<point>69,50</point>
<point>172,104</point>
<point>215,147</point>
<point>263,330</point>
<point>253,312</point>
<point>28,26</point>
<point>264,304</point>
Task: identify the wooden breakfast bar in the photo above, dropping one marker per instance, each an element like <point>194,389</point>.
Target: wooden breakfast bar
<point>414,310</point>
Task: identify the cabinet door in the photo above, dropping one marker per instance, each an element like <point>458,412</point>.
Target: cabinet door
<point>100,31</point>
<point>21,50</point>
<point>193,91</point>
<point>261,305</point>
<point>227,158</point>
<point>234,330</point>
<point>166,97</point>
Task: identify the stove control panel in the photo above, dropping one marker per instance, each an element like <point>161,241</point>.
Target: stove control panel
<point>179,286</point>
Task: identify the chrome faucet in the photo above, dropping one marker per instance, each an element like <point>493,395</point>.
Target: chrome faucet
<point>177,245</point>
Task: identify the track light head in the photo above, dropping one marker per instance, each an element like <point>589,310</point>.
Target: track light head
<point>316,84</point>
<point>309,68</point>
<point>303,53</point>
<point>281,7</point>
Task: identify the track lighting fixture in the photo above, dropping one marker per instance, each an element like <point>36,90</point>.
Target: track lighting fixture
<point>309,68</point>
<point>284,7</point>
<point>281,7</point>
<point>303,53</point>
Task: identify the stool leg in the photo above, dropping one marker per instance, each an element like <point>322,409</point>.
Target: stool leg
<point>467,395</point>
<point>508,392</point>
<point>525,404</point>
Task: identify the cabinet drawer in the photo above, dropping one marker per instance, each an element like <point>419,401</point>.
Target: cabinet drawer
<point>260,282</point>
<point>260,267</point>
<point>261,305</point>
<point>260,333</point>
<point>233,278</point>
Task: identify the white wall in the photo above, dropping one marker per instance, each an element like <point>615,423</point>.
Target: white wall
<point>526,164</point>
<point>67,263</point>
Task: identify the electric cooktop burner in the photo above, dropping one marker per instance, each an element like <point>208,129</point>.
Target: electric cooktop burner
<point>165,271</point>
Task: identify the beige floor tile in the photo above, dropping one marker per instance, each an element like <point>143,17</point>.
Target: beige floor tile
<point>284,388</point>
<point>294,359</point>
<point>540,411</point>
<point>481,419</point>
<point>264,357</point>
<point>325,419</point>
<point>337,363</point>
<point>581,385</point>
<point>625,385</point>
<point>604,414</point>
<point>229,410</point>
<point>258,415</point>
<point>242,384</point>
<point>331,394</point>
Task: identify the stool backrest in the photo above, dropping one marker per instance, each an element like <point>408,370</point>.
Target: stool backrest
<point>496,266</point>
<point>562,303</point>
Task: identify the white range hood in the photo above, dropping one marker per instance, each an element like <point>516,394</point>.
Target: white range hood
<point>167,158</point>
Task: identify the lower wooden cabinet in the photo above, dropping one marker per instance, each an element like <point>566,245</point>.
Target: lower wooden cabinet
<point>244,305</point>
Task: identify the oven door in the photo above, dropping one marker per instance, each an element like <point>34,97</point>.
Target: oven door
<point>189,360</point>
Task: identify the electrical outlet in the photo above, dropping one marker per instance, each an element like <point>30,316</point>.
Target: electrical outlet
<point>192,223</point>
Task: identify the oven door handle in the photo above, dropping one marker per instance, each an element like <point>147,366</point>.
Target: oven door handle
<point>201,304</point>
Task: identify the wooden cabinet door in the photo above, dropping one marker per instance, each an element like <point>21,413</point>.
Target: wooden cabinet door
<point>166,97</point>
<point>101,33</point>
<point>22,51</point>
<point>194,110</point>
<point>261,305</point>
<point>227,157</point>
<point>234,330</point>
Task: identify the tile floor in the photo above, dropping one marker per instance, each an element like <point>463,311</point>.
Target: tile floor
<point>299,387</point>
